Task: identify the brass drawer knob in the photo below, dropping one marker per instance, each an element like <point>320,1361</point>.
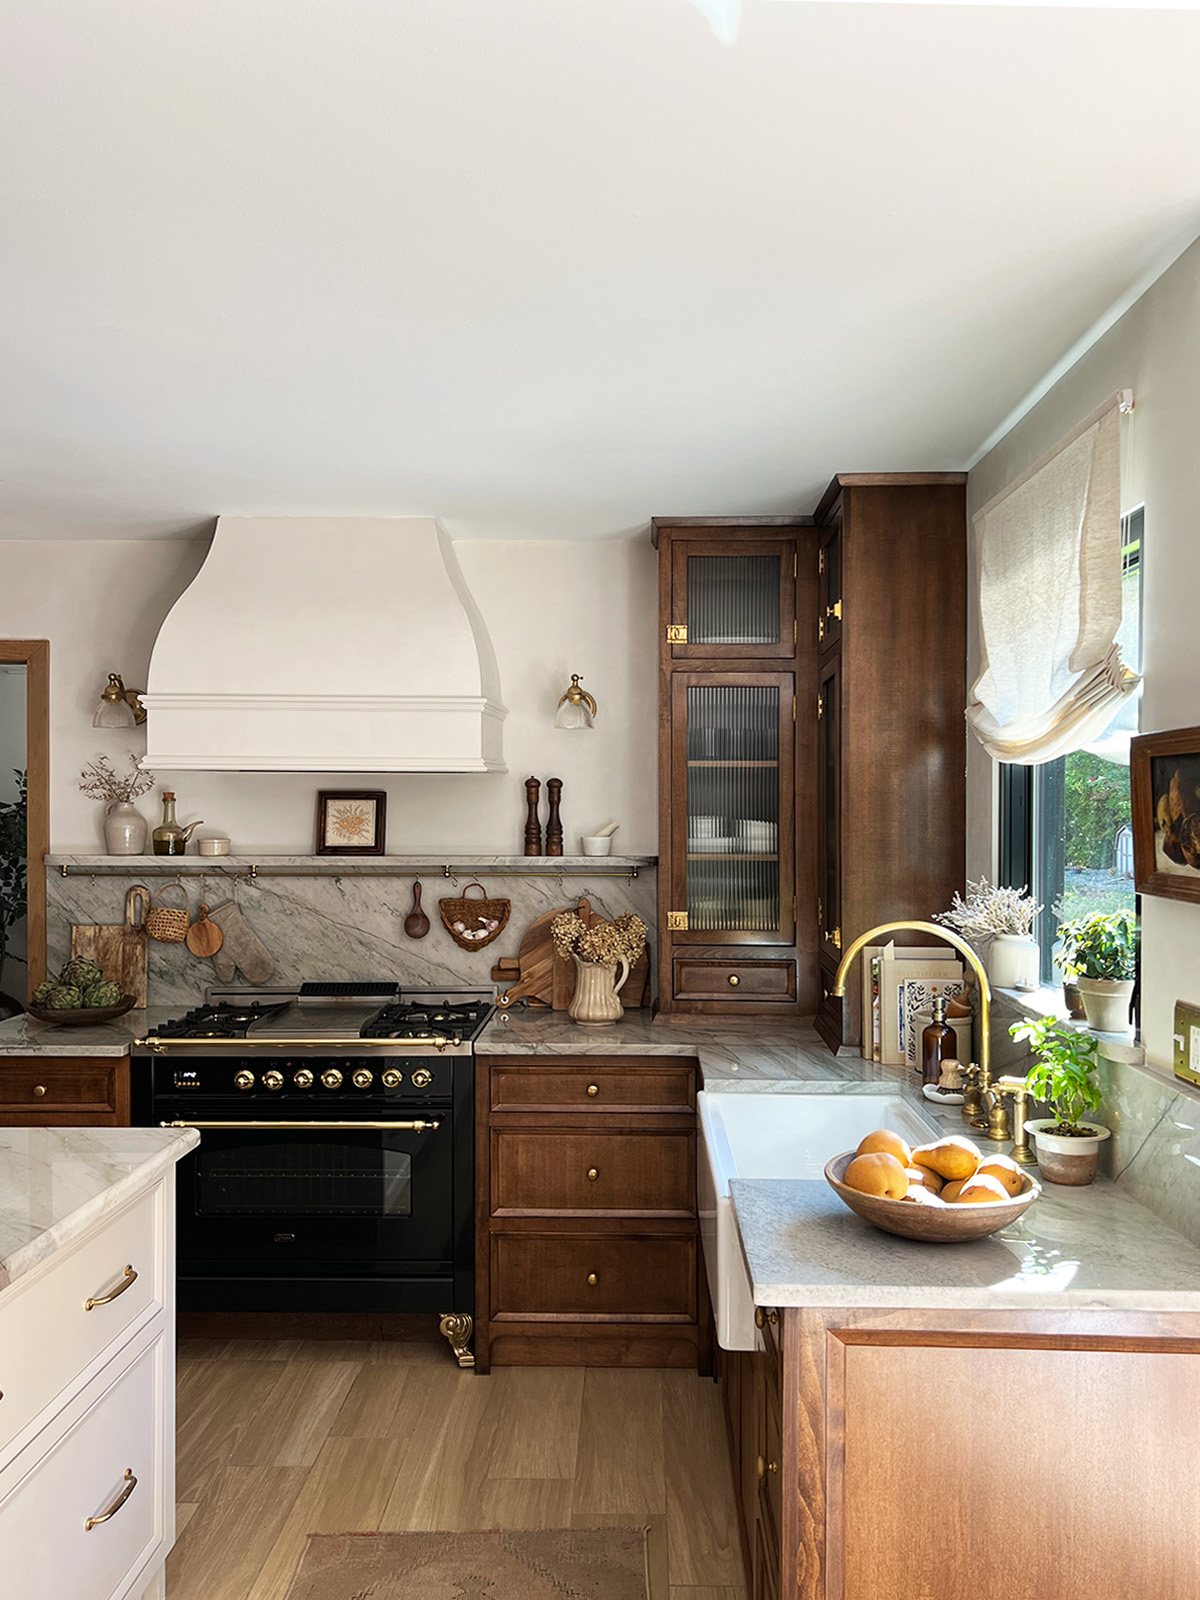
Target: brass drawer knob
<point>39,1090</point>
<point>734,980</point>
<point>763,1316</point>
<point>593,1090</point>
<point>593,1174</point>
<point>762,1466</point>
<point>593,1280</point>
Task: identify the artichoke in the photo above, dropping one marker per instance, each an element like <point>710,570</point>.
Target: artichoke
<point>103,994</point>
<point>64,998</point>
<point>80,974</point>
<point>44,990</point>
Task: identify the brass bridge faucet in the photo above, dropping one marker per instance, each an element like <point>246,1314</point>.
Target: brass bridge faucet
<point>984,1069</point>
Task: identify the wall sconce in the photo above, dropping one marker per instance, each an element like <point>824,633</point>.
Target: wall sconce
<point>576,708</point>
<point>119,707</point>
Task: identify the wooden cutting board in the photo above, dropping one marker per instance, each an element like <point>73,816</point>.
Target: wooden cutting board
<point>119,950</point>
<point>544,978</point>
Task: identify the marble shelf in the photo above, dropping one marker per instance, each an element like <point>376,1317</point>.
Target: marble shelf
<point>450,864</point>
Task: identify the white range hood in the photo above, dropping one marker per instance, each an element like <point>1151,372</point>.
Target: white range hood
<point>325,644</point>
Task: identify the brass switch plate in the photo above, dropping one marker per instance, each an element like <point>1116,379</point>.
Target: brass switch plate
<point>1187,1042</point>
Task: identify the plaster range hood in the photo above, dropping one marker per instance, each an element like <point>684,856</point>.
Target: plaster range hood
<point>325,644</point>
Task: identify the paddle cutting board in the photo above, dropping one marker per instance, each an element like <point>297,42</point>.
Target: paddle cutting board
<point>119,950</point>
<point>544,978</point>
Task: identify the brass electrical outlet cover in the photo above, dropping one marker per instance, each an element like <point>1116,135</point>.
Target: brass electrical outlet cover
<point>1187,1042</point>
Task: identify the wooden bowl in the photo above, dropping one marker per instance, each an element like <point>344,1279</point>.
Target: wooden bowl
<point>83,1015</point>
<point>948,1224</point>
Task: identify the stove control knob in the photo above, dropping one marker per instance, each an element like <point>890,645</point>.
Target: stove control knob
<point>392,1079</point>
<point>422,1078</point>
<point>303,1079</point>
<point>243,1080</point>
<point>272,1080</point>
<point>332,1079</point>
<point>362,1079</point>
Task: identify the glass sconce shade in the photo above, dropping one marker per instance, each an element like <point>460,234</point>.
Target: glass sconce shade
<point>576,708</point>
<point>119,707</point>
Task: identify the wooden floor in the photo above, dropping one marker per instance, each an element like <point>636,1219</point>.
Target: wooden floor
<point>279,1440</point>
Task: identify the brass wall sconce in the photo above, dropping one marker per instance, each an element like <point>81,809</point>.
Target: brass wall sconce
<point>119,707</point>
<point>576,708</point>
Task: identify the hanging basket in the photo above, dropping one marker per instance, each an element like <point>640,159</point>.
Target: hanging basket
<point>474,923</point>
<point>168,924</point>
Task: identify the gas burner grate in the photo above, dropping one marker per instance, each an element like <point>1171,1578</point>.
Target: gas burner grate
<point>221,1021</point>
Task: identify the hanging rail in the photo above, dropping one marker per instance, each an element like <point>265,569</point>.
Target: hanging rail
<point>208,866</point>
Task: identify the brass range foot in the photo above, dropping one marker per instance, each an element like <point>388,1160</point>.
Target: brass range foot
<point>457,1327</point>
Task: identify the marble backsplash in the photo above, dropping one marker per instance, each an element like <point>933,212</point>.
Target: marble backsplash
<point>345,925</point>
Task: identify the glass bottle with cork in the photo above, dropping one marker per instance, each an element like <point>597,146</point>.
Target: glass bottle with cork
<point>939,1043</point>
<point>169,839</point>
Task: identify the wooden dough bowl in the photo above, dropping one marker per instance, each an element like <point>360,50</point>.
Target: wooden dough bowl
<point>949,1224</point>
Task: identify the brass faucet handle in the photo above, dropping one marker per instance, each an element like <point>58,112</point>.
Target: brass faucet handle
<point>1013,1086</point>
<point>1022,1154</point>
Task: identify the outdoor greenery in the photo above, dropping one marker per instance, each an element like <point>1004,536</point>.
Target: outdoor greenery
<point>12,862</point>
<point>1100,946</point>
<point>1064,1070</point>
<point>1097,806</point>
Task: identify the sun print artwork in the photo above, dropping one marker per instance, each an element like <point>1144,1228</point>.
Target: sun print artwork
<point>350,822</point>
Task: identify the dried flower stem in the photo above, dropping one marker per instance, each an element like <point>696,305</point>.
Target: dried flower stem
<point>101,782</point>
<point>622,939</point>
<point>989,910</point>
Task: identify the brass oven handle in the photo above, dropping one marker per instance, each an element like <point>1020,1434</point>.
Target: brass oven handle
<point>403,1127</point>
<point>157,1045</point>
<point>127,1282</point>
<point>130,1485</point>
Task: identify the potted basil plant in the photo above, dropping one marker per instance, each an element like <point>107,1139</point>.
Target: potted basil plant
<point>1100,952</point>
<point>1063,1075</point>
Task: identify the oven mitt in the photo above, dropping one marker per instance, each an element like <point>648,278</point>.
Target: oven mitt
<point>240,947</point>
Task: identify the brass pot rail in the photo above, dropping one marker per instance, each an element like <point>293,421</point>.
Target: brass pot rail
<point>417,1126</point>
<point>157,1046</point>
<point>209,866</point>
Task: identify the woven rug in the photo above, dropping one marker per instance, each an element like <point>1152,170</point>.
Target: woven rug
<point>547,1564</point>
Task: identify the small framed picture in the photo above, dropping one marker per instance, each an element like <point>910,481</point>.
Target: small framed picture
<point>351,822</point>
<point>1164,774</point>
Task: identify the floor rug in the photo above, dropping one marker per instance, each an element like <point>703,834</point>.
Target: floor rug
<point>546,1564</point>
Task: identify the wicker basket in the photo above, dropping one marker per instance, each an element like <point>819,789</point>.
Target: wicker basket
<point>168,924</point>
<point>474,923</point>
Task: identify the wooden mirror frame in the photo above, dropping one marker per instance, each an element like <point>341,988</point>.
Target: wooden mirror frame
<point>34,656</point>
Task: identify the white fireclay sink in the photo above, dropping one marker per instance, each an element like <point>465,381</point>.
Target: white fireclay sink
<point>774,1136</point>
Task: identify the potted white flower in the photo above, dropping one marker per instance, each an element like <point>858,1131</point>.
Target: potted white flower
<point>1063,1075</point>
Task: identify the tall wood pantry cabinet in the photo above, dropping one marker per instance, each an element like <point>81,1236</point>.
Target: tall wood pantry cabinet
<point>812,744</point>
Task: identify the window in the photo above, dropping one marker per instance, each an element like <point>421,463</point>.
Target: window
<point>1065,826</point>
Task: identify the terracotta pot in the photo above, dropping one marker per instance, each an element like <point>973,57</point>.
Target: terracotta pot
<point>1063,1159</point>
<point>1106,1001</point>
<point>597,999</point>
<point>1073,1001</point>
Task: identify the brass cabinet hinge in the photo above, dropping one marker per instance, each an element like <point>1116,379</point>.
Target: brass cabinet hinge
<point>677,633</point>
<point>821,560</point>
<point>795,564</point>
<point>820,627</point>
<point>677,921</point>
<point>835,938</point>
<point>795,630</point>
<point>820,708</point>
<point>793,708</point>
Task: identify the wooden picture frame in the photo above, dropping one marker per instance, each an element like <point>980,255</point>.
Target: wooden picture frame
<point>347,816</point>
<point>1164,777</point>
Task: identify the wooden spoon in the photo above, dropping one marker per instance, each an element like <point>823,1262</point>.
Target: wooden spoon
<point>204,938</point>
<point>416,923</point>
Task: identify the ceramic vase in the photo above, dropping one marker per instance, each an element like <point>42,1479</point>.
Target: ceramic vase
<point>1106,1001</point>
<point>1064,1159</point>
<point>1014,961</point>
<point>124,829</point>
<point>597,999</point>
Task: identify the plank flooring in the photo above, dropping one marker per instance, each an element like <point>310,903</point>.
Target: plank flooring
<point>279,1439</point>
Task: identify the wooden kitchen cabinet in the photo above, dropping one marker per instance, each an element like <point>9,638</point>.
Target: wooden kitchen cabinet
<point>587,1244</point>
<point>64,1091</point>
<point>942,1454</point>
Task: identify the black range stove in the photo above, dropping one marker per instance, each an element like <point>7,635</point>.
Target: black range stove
<point>335,1170</point>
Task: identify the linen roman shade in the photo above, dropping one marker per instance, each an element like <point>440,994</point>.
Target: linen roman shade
<point>1049,566</point>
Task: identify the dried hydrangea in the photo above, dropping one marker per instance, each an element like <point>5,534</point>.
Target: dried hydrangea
<point>988,910</point>
<point>100,781</point>
<point>622,939</point>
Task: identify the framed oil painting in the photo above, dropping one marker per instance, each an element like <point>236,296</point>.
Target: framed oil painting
<point>351,822</point>
<point>1164,774</point>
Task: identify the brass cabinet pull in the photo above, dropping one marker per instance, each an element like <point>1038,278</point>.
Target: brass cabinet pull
<point>127,1282</point>
<point>734,980</point>
<point>593,1280</point>
<point>762,1317</point>
<point>593,1090</point>
<point>39,1090</point>
<point>762,1466</point>
<point>593,1174</point>
<point>130,1483</point>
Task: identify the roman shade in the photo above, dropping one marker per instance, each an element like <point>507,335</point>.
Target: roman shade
<point>1049,574</point>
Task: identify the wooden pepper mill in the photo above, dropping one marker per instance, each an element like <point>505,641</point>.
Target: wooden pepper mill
<point>533,827</point>
<point>554,827</point>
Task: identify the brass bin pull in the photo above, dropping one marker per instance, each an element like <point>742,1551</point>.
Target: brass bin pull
<point>403,1127</point>
<point>130,1483</point>
<point>128,1280</point>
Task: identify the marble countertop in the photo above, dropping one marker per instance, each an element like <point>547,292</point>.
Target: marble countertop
<point>25,1036</point>
<point>56,1182</point>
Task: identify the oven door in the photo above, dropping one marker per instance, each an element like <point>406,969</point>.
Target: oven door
<point>321,1198</point>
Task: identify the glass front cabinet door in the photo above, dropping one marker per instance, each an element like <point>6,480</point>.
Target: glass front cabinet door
<point>736,602</point>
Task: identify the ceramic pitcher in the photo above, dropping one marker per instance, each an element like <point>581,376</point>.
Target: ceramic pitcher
<point>597,1002</point>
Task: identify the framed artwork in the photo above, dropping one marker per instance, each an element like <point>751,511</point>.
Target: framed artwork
<point>351,822</point>
<point>1164,776</point>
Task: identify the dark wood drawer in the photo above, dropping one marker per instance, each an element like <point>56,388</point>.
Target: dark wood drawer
<point>638,1086</point>
<point>734,981</point>
<point>594,1277</point>
<point>617,1173</point>
<point>86,1086</point>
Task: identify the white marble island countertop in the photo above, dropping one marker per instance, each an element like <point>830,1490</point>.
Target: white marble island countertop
<point>56,1182</point>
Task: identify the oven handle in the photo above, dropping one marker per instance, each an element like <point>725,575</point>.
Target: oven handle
<point>157,1046</point>
<point>403,1127</point>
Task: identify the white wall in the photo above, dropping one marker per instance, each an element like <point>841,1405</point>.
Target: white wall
<point>1155,350</point>
<point>551,609</point>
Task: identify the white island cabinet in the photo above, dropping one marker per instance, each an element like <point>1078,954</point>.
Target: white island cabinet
<point>87,1361</point>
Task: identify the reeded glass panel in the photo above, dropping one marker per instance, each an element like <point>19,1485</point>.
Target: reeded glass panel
<point>733,808</point>
<point>733,599</point>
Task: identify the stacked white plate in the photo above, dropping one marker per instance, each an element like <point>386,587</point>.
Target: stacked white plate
<point>758,838</point>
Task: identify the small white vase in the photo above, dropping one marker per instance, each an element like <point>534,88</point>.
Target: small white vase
<point>124,829</point>
<point>1014,961</point>
<point>596,1002</point>
<point>1106,1001</point>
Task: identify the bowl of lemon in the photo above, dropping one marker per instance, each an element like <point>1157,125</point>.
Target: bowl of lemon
<point>945,1192</point>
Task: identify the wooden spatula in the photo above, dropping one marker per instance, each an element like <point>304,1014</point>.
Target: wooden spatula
<point>416,923</point>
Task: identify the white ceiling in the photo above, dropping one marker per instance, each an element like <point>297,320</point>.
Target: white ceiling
<point>544,268</point>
